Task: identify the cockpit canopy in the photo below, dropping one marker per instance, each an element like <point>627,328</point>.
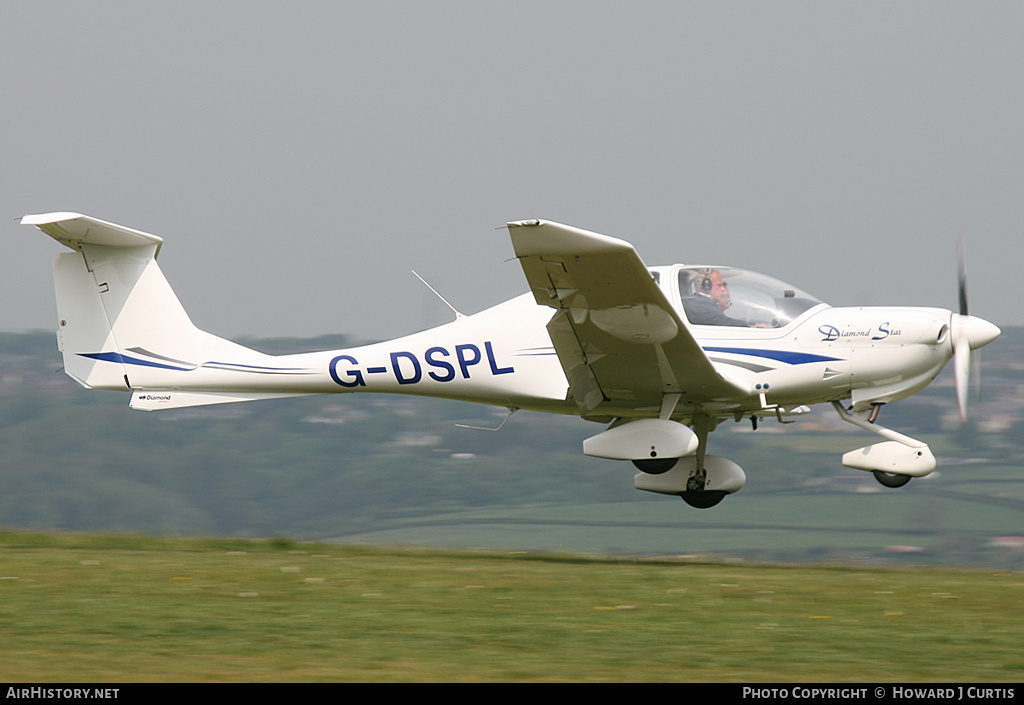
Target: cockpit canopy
<point>757,301</point>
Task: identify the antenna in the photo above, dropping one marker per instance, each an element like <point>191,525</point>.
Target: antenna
<point>511,410</point>
<point>454,310</point>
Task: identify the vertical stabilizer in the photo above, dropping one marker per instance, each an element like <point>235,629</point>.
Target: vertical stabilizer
<point>120,324</point>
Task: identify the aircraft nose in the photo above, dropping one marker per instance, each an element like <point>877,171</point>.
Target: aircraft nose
<point>978,331</point>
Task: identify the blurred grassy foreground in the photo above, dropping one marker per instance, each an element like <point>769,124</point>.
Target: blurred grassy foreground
<point>124,609</point>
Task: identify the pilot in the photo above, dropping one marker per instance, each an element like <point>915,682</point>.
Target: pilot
<point>707,307</point>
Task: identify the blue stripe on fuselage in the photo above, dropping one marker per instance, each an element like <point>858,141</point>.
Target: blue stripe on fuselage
<point>126,360</point>
<point>787,356</point>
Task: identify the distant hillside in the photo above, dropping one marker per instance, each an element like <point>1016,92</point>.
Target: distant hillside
<point>397,469</point>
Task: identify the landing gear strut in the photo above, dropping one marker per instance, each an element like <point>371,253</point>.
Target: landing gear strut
<point>696,495</point>
<point>698,478</point>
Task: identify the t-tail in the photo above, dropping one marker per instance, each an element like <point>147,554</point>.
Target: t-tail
<point>121,327</point>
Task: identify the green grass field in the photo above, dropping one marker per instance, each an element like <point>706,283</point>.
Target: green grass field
<point>126,609</point>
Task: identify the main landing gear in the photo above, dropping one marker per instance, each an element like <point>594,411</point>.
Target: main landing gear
<point>699,479</point>
<point>671,457</point>
<point>695,494</point>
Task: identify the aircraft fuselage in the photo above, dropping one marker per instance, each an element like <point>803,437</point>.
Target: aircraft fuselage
<point>504,355</point>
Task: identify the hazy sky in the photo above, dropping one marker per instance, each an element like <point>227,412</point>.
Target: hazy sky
<point>300,158</point>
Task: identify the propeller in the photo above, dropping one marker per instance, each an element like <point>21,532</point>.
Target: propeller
<point>969,333</point>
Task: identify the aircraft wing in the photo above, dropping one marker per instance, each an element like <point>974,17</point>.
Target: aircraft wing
<point>620,341</point>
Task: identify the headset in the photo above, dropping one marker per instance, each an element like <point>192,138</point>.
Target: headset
<point>706,285</point>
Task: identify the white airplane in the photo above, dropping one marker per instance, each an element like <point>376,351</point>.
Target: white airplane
<point>661,355</point>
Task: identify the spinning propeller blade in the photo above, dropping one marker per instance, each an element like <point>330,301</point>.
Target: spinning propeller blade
<point>969,333</point>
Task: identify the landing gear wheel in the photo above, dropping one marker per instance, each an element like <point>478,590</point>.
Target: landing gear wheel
<point>891,479</point>
<point>655,466</point>
<point>704,499</point>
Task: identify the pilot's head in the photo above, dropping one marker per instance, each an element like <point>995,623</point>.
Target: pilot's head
<point>714,287</point>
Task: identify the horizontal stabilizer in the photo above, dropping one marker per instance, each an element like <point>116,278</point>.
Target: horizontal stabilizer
<point>75,230</point>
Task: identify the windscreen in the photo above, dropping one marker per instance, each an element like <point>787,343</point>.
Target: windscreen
<point>726,296</point>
